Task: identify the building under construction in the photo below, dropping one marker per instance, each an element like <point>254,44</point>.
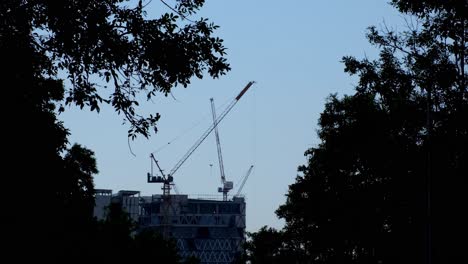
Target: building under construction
<point>211,230</point>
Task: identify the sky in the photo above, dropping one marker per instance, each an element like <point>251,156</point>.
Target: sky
<point>293,51</point>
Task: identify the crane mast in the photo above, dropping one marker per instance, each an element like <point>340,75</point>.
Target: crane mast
<point>226,185</point>
<point>218,144</point>
<point>167,180</point>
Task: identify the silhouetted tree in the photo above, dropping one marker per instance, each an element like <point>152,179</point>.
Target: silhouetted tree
<point>75,203</point>
<point>386,183</point>
<point>264,246</point>
<point>77,187</point>
<point>119,240</point>
<point>114,242</point>
<point>44,44</point>
<point>109,40</point>
<point>150,246</point>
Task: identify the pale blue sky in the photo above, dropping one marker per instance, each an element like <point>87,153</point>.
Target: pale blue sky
<point>292,49</point>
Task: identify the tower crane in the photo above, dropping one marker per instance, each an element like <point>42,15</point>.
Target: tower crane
<point>226,185</point>
<point>167,180</point>
<point>244,180</point>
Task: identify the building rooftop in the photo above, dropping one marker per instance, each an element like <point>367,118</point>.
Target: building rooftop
<point>127,192</point>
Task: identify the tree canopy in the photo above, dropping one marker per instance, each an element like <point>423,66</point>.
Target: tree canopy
<point>386,183</point>
<point>115,42</point>
<point>118,239</point>
<point>88,54</point>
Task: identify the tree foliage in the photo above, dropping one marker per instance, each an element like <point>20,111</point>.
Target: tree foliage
<point>386,183</point>
<point>115,42</point>
<point>58,53</point>
<point>150,245</point>
<point>119,240</point>
<point>78,187</point>
<point>267,246</point>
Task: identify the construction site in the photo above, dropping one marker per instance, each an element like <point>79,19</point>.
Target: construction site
<point>210,227</point>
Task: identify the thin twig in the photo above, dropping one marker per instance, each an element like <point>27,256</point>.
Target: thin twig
<point>182,15</point>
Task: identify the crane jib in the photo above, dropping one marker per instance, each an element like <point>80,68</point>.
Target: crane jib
<point>167,179</point>
<point>211,128</point>
<point>244,90</point>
